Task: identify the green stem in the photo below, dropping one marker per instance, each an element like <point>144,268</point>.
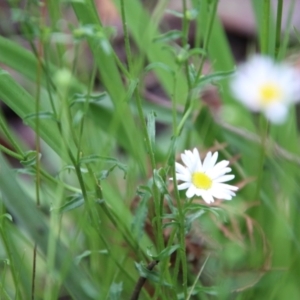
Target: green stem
<point>4,127</point>
<point>85,109</point>
<point>120,65</point>
<point>184,118</point>
<point>207,38</point>
<point>266,27</point>
<point>174,101</point>
<point>278,27</point>
<point>197,278</point>
<point>58,182</point>
<point>264,134</point>
<point>126,36</point>
<point>6,242</point>
<point>11,153</point>
<point>182,249</point>
<point>184,41</point>
<point>203,57</point>
<point>165,263</point>
<point>38,150</point>
<point>200,6</point>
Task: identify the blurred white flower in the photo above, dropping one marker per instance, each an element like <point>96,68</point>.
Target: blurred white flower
<point>204,179</point>
<point>263,85</point>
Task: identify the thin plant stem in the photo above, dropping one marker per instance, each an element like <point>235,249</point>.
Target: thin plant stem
<point>6,241</point>
<point>183,120</point>
<point>184,40</point>
<point>200,5</point>
<point>182,249</point>
<point>55,181</point>
<point>126,36</point>
<point>197,278</point>
<point>141,281</point>
<point>265,27</point>
<point>120,65</point>
<point>7,133</point>
<point>37,147</point>
<point>203,57</point>
<point>11,153</point>
<point>278,27</point>
<point>287,27</point>
<point>212,16</point>
<point>174,101</point>
<point>165,263</point>
<point>85,109</point>
<point>264,135</point>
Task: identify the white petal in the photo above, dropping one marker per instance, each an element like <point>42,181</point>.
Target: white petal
<point>194,161</point>
<point>276,113</point>
<point>222,194</point>
<point>225,186</point>
<point>221,165</point>
<point>213,160</point>
<point>183,177</point>
<point>198,162</point>
<point>181,169</point>
<point>224,178</point>
<point>191,191</point>
<point>213,174</point>
<point>207,197</point>
<point>198,192</point>
<point>187,160</point>
<point>183,186</point>
<point>206,161</point>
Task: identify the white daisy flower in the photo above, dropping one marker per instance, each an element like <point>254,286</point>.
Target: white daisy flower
<point>264,85</point>
<point>204,179</point>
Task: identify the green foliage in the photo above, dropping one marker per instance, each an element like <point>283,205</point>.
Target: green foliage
<point>90,206</point>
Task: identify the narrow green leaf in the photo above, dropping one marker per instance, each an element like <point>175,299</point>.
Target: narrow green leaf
<point>115,291</point>
<point>41,115</point>
<point>213,78</point>
<point>30,158</point>
<point>97,158</point>
<point>83,98</point>
<point>74,202</point>
<point>297,33</point>
<point>150,275</point>
<point>191,218</point>
<point>7,216</point>
<point>175,13</point>
<point>103,174</point>
<point>30,171</point>
<point>87,253</point>
<point>164,253</point>
<point>131,88</point>
<point>160,183</point>
<point>140,216</point>
<point>151,129</point>
<point>159,65</point>
<point>168,36</point>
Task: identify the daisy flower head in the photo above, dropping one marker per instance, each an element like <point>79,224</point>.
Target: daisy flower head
<point>264,85</point>
<point>205,179</point>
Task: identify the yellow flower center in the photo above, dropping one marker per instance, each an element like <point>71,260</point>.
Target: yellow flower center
<point>201,181</point>
<point>269,93</point>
